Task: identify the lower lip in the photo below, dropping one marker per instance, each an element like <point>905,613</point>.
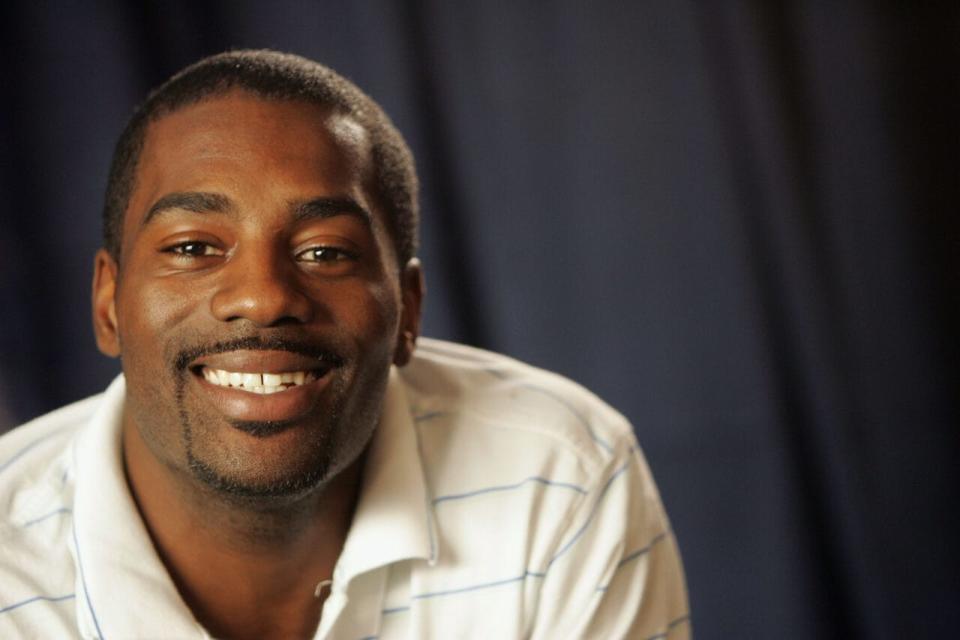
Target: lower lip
<point>245,406</point>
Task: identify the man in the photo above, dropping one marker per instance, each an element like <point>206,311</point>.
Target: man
<point>280,459</point>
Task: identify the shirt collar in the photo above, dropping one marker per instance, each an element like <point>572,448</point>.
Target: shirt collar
<point>394,519</point>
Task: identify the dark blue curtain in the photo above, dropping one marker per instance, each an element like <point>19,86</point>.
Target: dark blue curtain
<point>735,221</point>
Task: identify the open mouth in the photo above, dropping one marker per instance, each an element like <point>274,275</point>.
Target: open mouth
<point>264,383</point>
<point>272,385</point>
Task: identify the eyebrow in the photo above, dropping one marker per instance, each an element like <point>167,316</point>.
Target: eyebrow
<point>204,202</point>
<point>195,201</point>
<point>330,207</point>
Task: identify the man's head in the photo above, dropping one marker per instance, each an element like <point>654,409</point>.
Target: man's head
<point>272,76</point>
<point>261,212</point>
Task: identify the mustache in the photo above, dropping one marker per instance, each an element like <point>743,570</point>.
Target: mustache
<point>321,351</point>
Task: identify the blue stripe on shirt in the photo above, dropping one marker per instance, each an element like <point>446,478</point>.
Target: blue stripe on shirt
<point>528,573</point>
<point>423,417</point>
<point>459,590</point>
<point>47,515</point>
<point>477,587</point>
<point>392,610</point>
<point>37,599</point>
<point>593,512</point>
<point>508,487</point>
<point>630,557</point>
<point>670,627</point>
<point>83,581</point>
<point>639,552</point>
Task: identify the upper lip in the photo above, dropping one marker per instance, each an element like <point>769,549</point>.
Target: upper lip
<point>256,361</point>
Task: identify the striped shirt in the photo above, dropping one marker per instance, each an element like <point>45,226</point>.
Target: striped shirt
<point>498,501</point>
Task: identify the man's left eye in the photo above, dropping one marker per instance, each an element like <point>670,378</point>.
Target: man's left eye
<point>325,254</point>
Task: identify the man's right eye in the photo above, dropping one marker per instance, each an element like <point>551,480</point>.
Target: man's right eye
<point>193,249</point>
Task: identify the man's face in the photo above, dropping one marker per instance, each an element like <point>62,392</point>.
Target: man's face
<point>258,304</point>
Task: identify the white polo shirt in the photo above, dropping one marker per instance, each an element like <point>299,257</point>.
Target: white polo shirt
<point>499,501</point>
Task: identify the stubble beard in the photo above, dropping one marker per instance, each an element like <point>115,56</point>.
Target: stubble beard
<point>249,483</point>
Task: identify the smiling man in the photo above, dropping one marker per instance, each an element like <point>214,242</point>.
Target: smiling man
<point>282,458</point>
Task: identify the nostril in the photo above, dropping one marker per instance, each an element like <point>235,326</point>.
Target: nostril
<point>287,320</point>
<point>262,300</point>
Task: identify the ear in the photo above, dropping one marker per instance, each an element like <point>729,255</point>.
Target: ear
<point>412,292</point>
<point>104,305</point>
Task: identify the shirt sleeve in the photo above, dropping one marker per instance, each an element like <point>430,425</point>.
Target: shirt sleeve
<point>616,572</point>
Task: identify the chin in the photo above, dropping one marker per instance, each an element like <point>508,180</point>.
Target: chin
<point>264,460</point>
<point>281,486</point>
<point>273,464</point>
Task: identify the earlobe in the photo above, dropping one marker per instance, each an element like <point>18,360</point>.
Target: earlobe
<point>412,292</point>
<point>104,304</point>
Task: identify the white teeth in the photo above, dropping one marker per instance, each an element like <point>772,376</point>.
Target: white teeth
<point>264,383</point>
<point>271,379</point>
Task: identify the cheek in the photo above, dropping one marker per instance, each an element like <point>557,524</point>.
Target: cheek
<point>148,314</point>
<point>367,317</point>
<point>379,314</point>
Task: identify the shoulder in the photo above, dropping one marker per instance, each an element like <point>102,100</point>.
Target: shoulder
<point>35,464</point>
<point>57,421</point>
<point>492,392</point>
<point>36,499</point>
<point>534,481</point>
<point>489,425</point>
<point>35,443</point>
<point>35,460</point>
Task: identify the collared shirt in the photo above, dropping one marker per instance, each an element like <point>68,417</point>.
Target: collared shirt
<point>498,501</point>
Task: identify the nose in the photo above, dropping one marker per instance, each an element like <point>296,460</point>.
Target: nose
<point>262,287</point>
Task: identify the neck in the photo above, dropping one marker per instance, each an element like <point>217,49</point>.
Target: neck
<point>246,567</point>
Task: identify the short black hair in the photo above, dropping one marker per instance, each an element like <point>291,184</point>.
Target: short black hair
<point>273,76</point>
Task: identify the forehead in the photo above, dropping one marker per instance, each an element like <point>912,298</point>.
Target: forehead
<point>258,148</point>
